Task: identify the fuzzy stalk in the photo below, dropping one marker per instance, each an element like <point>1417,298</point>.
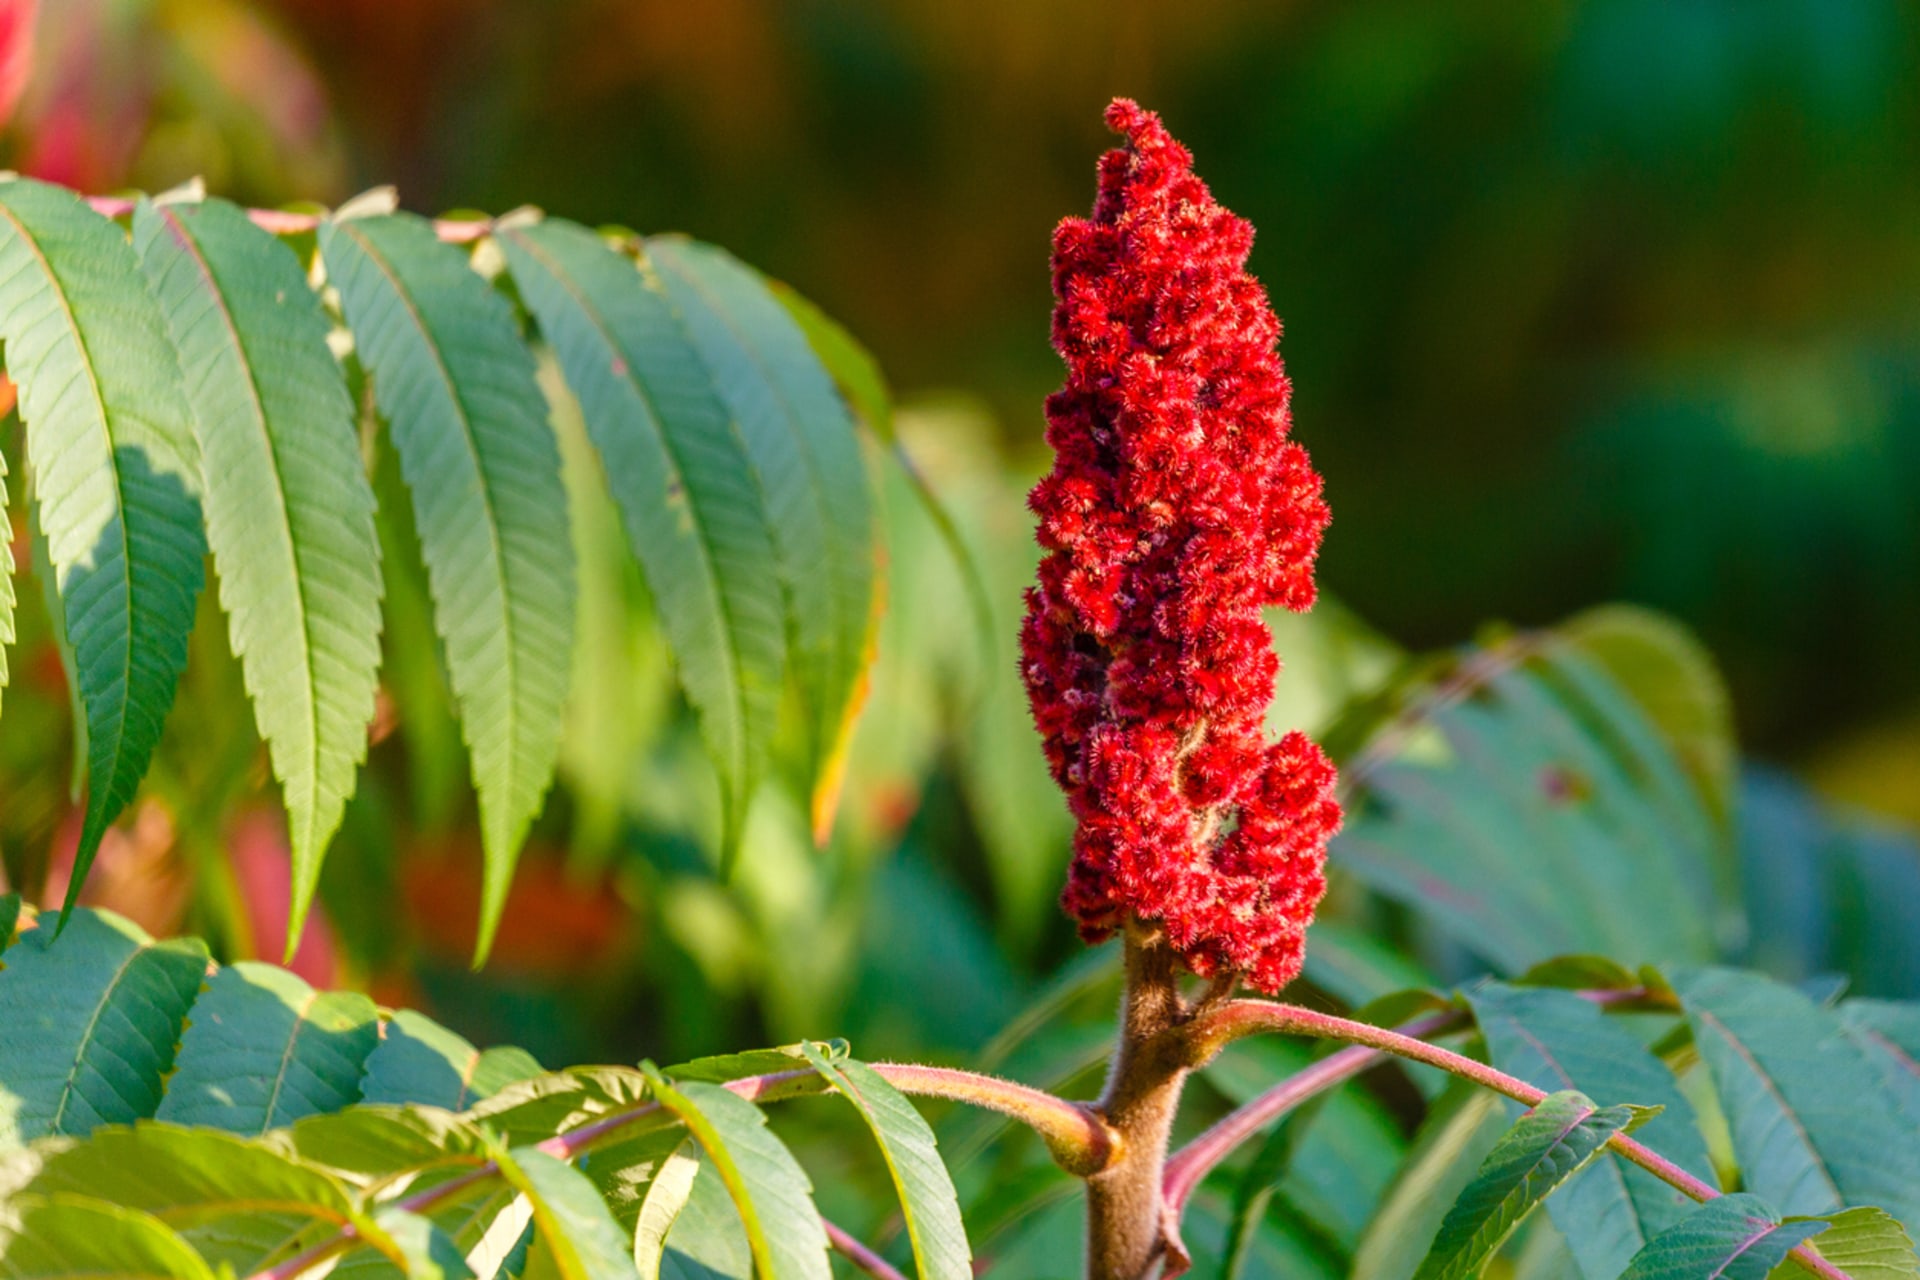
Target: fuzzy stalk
<point>1129,1232</point>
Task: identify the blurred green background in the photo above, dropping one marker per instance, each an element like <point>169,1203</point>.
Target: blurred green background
<point>1583,302</point>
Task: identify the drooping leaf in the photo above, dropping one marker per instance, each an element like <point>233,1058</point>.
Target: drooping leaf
<point>264,1049</point>
<point>117,477</point>
<point>768,1187</point>
<point>1736,1237</point>
<point>574,1235</point>
<point>928,1201</point>
<point>457,389</point>
<point>1866,1244</point>
<point>864,385</point>
<point>90,1023</point>
<point>1529,802</point>
<point>800,441</point>
<point>289,507</point>
<point>679,472</point>
<point>66,1235</point>
<point>1553,1039</point>
<point>418,1060</point>
<point>239,1203</point>
<point>1545,1147</point>
<point>1813,1126</point>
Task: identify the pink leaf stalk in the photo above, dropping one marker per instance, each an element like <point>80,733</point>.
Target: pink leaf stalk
<point>1177,509</point>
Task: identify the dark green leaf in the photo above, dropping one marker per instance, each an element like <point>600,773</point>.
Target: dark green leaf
<point>803,449</point>
<point>1553,1039</point>
<point>418,1060</point>
<point>91,1023</point>
<point>1734,1237</point>
<point>117,477</point>
<point>679,472</point>
<point>1548,1145</point>
<point>265,1049</point>
<point>1527,801</point>
<point>1813,1126</point>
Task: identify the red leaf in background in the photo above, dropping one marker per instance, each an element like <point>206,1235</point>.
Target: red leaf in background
<point>263,873</point>
<point>138,874</point>
<point>16,51</point>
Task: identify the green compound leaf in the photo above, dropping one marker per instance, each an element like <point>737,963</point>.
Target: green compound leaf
<point>418,1060</point>
<point>265,1049</point>
<point>574,1235</point>
<point>1553,1039</point>
<point>457,389</point>
<point>1736,1237</point>
<point>65,1236</point>
<point>928,1200</point>
<point>1532,798</point>
<point>1548,1145</point>
<point>117,477</point>
<point>679,472</point>
<point>90,1023</point>
<point>238,1203</point>
<point>806,456</point>
<point>1813,1127</point>
<point>768,1187</point>
<point>289,507</point>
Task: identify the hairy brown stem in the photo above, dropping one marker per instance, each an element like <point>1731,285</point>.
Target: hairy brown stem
<point>1129,1233</point>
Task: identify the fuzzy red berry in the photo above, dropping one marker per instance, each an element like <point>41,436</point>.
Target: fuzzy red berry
<point>1176,510</point>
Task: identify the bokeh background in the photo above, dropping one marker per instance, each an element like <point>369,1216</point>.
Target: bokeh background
<point>1612,300</point>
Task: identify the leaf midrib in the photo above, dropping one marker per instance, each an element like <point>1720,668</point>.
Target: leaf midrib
<point>95,804</point>
<point>1773,1091</point>
<point>510,659</point>
<point>71,1086</point>
<point>720,596</point>
<point>1616,1173</point>
<point>816,490</point>
<point>279,494</point>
